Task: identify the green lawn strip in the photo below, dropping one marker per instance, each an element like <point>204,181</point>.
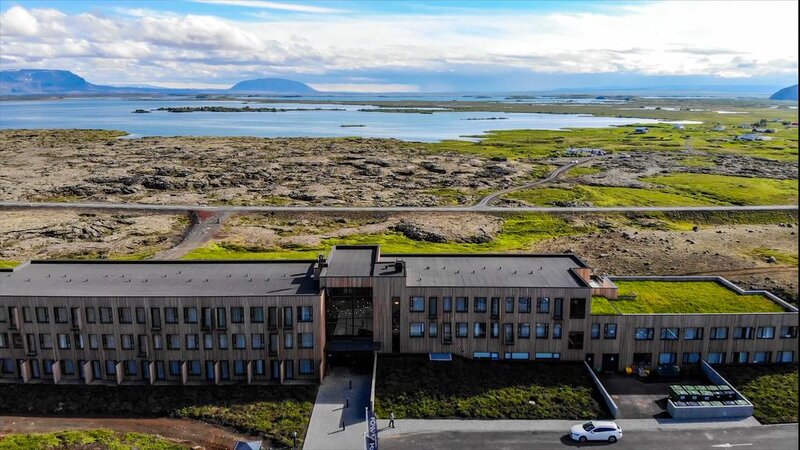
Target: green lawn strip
<point>782,257</point>
<point>606,196</point>
<point>687,297</point>
<point>413,387</point>
<point>8,263</point>
<point>602,306</point>
<point>87,439</point>
<point>273,412</point>
<point>771,388</point>
<point>730,189</point>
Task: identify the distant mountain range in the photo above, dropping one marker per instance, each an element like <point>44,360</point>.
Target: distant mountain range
<point>787,93</point>
<point>57,82</point>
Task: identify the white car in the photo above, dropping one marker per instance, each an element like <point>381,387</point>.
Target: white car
<point>596,431</point>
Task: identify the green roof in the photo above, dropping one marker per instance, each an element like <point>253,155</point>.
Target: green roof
<point>680,297</point>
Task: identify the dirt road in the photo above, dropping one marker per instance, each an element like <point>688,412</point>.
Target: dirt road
<point>205,225</point>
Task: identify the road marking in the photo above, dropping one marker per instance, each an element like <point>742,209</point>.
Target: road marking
<point>729,445</point>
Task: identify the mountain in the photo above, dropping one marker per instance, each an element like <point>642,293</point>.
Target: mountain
<point>39,81</point>
<point>787,93</point>
<point>273,85</point>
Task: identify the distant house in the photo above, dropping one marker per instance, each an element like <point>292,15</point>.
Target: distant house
<point>678,126</point>
<point>753,137</point>
<point>719,127</point>
<point>585,151</point>
<point>640,130</point>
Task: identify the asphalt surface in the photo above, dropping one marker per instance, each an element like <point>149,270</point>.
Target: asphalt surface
<point>446,209</point>
<point>768,437</point>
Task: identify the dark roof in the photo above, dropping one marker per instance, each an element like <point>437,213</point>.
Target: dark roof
<point>352,261</point>
<point>160,279</point>
<point>492,270</point>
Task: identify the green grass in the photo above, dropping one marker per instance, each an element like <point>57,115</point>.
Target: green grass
<point>730,189</point>
<point>604,196</point>
<point>8,263</point>
<point>772,389</point>
<point>87,439</point>
<point>518,233</point>
<point>682,297</point>
<point>413,387</point>
<point>697,161</point>
<point>270,411</point>
<point>784,258</point>
<point>580,171</point>
<point>602,306</point>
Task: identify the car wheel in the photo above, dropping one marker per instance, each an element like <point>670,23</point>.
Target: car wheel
<point>612,439</point>
<point>582,439</point>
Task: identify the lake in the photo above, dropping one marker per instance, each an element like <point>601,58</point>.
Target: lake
<point>116,114</point>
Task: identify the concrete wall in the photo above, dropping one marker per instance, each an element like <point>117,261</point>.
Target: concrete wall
<point>603,392</point>
<point>712,412</point>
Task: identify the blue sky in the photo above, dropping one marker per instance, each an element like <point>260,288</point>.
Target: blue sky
<point>408,46</point>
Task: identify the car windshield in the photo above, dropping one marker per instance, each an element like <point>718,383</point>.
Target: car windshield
<point>588,426</point>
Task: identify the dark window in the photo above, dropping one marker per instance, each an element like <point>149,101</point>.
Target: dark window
<point>495,308</point>
<point>141,317</point>
<point>305,340</point>
<point>256,314</point>
<point>42,316</point>
<point>417,304</point>
<point>542,330</point>
<point>125,314</point>
<point>642,359</point>
<point>479,330</point>
<point>693,334</point>
<point>508,333</point>
<point>740,358</point>
<point>644,334</point>
<point>155,317</point>
<point>447,304</point>
<point>170,315</point>
<point>447,333</point>
<point>206,318</point>
<point>524,331</point>
<point>222,318</point>
<point>272,318</point>
<point>91,314</point>
<point>190,315</point>
<point>288,322</point>
<point>610,331</point>
<point>558,308</point>
<point>433,307</point>
<point>575,340</point>
<point>462,328</point>
<point>192,342</point>
<point>494,331</point>
<point>480,304</point>
<point>691,358</point>
<point>305,314</point>
<point>237,314</point>
<point>509,305</point>
<point>462,304</point>
<point>577,308</point>
<point>60,314</point>
<point>417,329</point>
<point>670,334</point>
<point>765,333</point>
<point>543,305</point>
<point>239,341</point>
<point>788,332</point>
<point>433,329</point>
<point>127,341</point>
<point>524,305</point>
<point>595,331</point>
<point>556,331</point>
<point>718,333</point>
<point>743,333</point>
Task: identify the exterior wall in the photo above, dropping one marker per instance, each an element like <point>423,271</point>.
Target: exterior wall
<point>150,354</point>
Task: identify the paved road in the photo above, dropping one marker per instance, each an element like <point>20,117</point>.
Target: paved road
<point>447,209</point>
<point>768,437</point>
<point>489,199</point>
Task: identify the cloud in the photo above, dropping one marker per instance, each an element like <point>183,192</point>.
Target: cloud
<point>17,21</point>
<point>293,7</point>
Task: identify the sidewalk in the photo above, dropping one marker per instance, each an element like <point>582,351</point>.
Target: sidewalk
<point>325,430</point>
<point>410,426</point>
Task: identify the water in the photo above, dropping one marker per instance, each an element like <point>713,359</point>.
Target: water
<point>116,114</point>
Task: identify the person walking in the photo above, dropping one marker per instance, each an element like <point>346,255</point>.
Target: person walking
<point>391,419</point>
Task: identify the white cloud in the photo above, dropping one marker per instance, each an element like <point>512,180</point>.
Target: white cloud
<point>294,7</point>
<point>17,21</point>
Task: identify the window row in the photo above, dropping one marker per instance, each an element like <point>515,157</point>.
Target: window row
<point>716,333</point>
<point>763,357</point>
<point>510,305</point>
<point>481,330</point>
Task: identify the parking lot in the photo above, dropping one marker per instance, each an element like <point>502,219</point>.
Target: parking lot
<point>642,400</point>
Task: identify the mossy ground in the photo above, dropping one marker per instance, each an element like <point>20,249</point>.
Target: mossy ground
<point>87,439</point>
<point>771,388</point>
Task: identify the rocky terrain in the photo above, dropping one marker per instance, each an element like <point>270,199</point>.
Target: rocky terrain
<point>74,165</point>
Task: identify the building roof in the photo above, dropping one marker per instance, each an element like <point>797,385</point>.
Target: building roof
<point>492,270</point>
<point>352,261</point>
<point>160,279</point>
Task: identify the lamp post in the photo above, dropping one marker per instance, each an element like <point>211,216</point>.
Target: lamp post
<point>294,440</point>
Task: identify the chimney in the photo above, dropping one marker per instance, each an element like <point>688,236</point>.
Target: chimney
<point>398,265</point>
<point>319,266</point>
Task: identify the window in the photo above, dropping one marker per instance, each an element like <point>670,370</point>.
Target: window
<point>190,315</point>
<point>447,333</point>
<point>610,331</point>
<point>7,365</point>
<point>206,318</point>
<point>718,333</point>
<point>417,329</point>
<point>130,367</point>
<point>788,332</point>
<point>543,305</point>
<point>305,340</point>
<point>173,342</point>
<point>553,356</point>
<point>171,315</point>
<point>494,330</point>
<point>495,307</point>
<point>691,358</point>
<point>260,367</point>
<point>479,330</point>
<point>743,333</point>
<point>222,341</point>
<point>670,334</point>
<point>222,318</point>
<point>516,355</point>
<point>194,368</point>
<point>257,340</point>
<point>305,314</point>
<point>141,317</point>
<point>155,317</point>
<point>63,341</point>
<point>4,340</point>
<point>26,315</point>
<point>447,304</point>
<point>75,317</point>
<point>288,369</point>
<point>595,331</point>
<point>524,305</point>
<point>208,341</point>
<point>542,330</point>
<point>765,333</point>
<point>272,318</point>
<point>417,304</point>
<point>642,359</point>
<point>109,342</point>
<point>237,314</point>
<point>785,357</point>
<point>239,341</point>
<point>30,339</point>
<point>161,373</point>
<point>556,331</point>
<point>740,357</point>
<point>127,341</point>
<point>306,366</point>
<point>667,358</point>
<point>509,305</point>
<point>224,370</point>
<point>575,340</point>
<point>42,315</point>
<point>3,315</point>
<point>111,367</point>
<point>508,333</point>
<point>288,322</point>
<point>125,314</point>
<point>158,342</point>
<point>192,342</point>
<point>257,314</point>
<point>60,314</point>
<point>762,357</point>
<point>274,343</point>
<point>94,342</point>
<point>693,334</point>
<point>433,307</point>
<point>142,344</point>
<point>524,331</point>
<point>239,367</point>
<point>91,314</point>
<point>433,329</point>
<point>486,355</point>
<point>558,309</point>
<point>480,304</point>
<point>462,304</point>
<point>644,334</point>
<point>174,368</point>
<point>577,308</point>
<point>461,329</point>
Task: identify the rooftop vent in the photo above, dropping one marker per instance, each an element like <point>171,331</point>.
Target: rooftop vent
<point>398,265</point>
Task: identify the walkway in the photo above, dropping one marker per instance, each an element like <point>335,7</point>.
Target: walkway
<point>324,430</point>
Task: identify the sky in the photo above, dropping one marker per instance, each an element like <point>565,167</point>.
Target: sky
<point>407,46</point>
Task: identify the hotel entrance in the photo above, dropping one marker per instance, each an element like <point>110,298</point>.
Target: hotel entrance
<point>348,314</point>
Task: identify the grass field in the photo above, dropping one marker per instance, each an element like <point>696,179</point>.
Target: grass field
<point>413,387</point>
<point>605,196</point>
<point>731,190</point>
<point>681,297</point>
<point>273,412</point>
<point>772,389</point>
<point>87,439</point>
